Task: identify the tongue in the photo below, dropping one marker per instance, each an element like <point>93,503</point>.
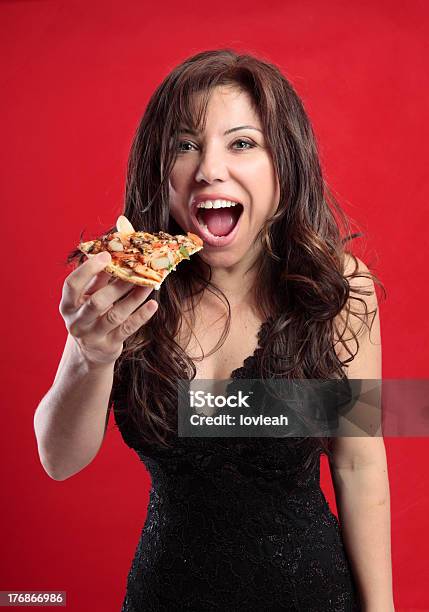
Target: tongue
<point>220,221</point>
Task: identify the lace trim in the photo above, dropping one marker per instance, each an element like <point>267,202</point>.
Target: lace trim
<point>248,364</point>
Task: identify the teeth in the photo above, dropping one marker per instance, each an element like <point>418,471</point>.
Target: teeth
<point>216,204</point>
<point>201,222</point>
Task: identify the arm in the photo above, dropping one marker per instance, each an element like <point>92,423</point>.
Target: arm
<point>70,421</point>
<point>360,478</point>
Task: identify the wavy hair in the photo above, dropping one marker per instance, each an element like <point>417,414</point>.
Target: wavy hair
<point>301,285</point>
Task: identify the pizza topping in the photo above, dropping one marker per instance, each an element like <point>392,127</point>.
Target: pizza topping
<point>160,262</point>
<point>124,226</point>
<point>147,272</point>
<point>184,252</point>
<point>165,236</point>
<point>122,256</point>
<point>115,245</point>
<point>92,247</point>
<point>151,256</point>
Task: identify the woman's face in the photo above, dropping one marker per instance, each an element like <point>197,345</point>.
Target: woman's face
<point>224,162</point>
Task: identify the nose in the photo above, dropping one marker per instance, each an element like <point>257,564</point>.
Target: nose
<point>212,167</point>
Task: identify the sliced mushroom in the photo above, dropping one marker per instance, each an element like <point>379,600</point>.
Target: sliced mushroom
<point>124,226</point>
<point>115,245</point>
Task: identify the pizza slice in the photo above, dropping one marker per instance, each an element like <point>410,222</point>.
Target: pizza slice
<point>142,258</point>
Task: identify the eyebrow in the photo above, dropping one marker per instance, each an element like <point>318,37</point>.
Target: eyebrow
<point>234,129</point>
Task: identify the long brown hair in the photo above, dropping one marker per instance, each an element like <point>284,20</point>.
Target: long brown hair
<point>301,286</point>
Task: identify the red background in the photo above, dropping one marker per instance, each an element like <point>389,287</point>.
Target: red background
<point>76,77</point>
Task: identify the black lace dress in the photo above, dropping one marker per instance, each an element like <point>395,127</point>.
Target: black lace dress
<point>237,524</point>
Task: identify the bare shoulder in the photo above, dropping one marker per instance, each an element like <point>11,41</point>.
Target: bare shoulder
<point>358,324</point>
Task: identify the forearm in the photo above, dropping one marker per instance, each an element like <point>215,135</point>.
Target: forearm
<point>70,419</point>
<point>363,502</point>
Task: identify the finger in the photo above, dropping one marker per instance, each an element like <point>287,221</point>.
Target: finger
<point>102,279</point>
<point>97,282</point>
<point>75,283</point>
<point>133,323</point>
<point>122,309</point>
<point>100,305</point>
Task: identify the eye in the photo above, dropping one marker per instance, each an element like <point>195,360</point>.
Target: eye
<point>185,142</point>
<point>250,145</point>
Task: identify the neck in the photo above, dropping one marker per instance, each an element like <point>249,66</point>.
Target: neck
<point>237,282</point>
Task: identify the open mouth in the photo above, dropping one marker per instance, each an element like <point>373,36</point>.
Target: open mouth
<point>219,222</point>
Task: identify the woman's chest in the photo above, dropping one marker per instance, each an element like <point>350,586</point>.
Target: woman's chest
<point>240,343</point>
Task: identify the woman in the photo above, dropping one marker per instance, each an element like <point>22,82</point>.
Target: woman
<point>240,523</point>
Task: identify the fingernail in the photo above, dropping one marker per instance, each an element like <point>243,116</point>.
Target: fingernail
<point>152,306</point>
<point>104,257</point>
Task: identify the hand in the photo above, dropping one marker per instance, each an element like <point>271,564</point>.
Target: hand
<point>94,314</point>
